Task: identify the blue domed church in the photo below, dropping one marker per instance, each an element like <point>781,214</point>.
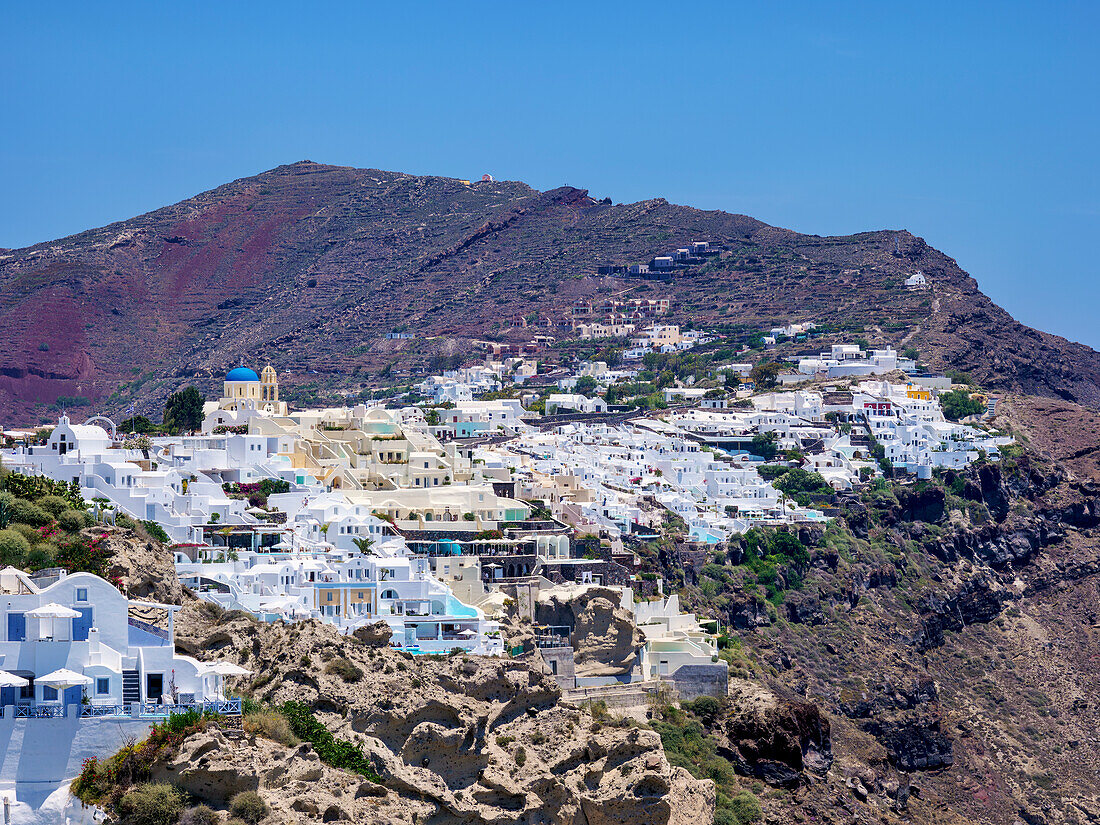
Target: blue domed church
<point>244,395</point>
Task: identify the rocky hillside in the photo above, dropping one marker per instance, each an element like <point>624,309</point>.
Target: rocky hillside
<point>309,266</point>
<point>452,739</point>
<point>949,631</point>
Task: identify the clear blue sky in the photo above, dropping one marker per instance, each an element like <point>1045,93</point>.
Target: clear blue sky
<point>974,125</point>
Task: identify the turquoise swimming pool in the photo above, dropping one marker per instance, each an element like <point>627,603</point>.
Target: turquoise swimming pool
<point>457,608</point>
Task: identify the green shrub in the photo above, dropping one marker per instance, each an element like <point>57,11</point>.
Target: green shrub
<point>54,505</point>
<point>41,555</point>
<point>151,804</point>
<point>31,534</point>
<point>73,521</point>
<point>336,752</point>
<point>249,806</point>
<point>746,808</point>
<point>707,708</point>
<point>521,756</point>
<point>344,669</point>
<point>156,531</point>
<point>14,548</point>
<point>200,815</point>
<point>958,404</point>
<point>6,502</point>
<point>27,512</point>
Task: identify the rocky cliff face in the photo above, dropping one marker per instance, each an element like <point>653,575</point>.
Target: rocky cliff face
<point>947,633</point>
<point>309,266</point>
<point>455,739</point>
<point>143,566</point>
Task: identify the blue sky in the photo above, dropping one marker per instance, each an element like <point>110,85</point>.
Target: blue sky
<point>973,125</point>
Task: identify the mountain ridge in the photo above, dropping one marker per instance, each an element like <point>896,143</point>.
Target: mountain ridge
<point>309,265</point>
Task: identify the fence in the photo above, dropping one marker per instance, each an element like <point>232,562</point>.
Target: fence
<point>136,710</point>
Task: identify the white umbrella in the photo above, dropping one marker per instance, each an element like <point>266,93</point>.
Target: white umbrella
<point>223,669</point>
<point>11,680</point>
<point>53,611</point>
<point>63,678</point>
<point>467,633</point>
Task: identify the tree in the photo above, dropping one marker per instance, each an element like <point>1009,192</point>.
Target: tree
<point>183,411</point>
<point>764,375</point>
<point>137,424</point>
<point>763,445</point>
<point>365,545</point>
<point>432,417</point>
<point>586,385</point>
<point>959,404</point>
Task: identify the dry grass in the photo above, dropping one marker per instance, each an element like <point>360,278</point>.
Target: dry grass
<point>272,725</point>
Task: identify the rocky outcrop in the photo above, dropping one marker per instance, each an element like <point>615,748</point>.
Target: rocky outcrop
<point>455,738</point>
<point>746,611</point>
<point>915,742</point>
<point>604,638</point>
<point>774,739</point>
<point>214,765</point>
<point>143,565</point>
<point>374,635</point>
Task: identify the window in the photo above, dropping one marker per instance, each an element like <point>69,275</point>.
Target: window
<point>102,686</point>
<point>49,694</point>
<point>328,596</point>
<point>82,594</point>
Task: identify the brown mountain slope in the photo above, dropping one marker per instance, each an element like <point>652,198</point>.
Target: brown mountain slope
<point>310,265</point>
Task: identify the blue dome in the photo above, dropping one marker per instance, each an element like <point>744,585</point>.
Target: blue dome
<point>242,374</point>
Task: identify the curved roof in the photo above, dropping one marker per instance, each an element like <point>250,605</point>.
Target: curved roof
<point>242,374</point>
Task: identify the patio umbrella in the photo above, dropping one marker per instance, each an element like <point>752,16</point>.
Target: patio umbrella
<point>467,633</point>
<point>53,611</point>
<point>11,680</point>
<point>63,678</point>
<point>223,669</point>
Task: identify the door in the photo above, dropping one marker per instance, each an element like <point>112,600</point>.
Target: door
<point>73,695</point>
<point>154,687</point>
<point>17,627</point>
<point>82,624</point>
<point>7,696</point>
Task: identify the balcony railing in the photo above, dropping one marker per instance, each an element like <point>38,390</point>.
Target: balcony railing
<point>147,710</point>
